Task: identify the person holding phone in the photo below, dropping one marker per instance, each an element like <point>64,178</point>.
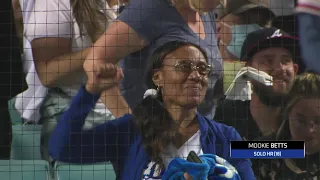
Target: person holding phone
<point>154,140</point>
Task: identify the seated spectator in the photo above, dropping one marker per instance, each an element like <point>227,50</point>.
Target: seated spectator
<point>11,76</point>
<point>236,19</point>
<point>272,51</point>
<point>144,144</point>
<point>300,121</point>
<point>276,53</point>
<point>309,27</point>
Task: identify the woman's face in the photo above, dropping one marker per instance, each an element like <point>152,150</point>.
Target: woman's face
<point>304,122</point>
<point>203,5</point>
<point>183,79</point>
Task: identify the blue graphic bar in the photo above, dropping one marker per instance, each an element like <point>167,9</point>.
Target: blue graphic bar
<point>267,153</point>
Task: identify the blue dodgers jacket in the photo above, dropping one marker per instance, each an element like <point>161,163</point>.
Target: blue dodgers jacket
<point>119,142</point>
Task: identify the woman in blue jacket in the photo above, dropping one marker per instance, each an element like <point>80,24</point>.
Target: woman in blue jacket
<point>153,141</point>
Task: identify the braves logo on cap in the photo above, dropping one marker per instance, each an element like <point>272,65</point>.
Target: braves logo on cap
<point>276,33</point>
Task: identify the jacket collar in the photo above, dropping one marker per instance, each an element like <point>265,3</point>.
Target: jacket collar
<point>207,137</point>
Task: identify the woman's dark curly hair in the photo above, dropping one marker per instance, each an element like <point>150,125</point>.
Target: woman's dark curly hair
<point>152,119</point>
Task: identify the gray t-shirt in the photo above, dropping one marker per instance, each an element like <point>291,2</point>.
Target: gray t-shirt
<point>158,22</point>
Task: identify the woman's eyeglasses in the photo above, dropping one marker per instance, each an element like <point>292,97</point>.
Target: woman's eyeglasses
<point>188,67</point>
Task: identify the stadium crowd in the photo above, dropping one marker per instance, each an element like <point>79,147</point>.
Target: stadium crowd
<point>141,83</point>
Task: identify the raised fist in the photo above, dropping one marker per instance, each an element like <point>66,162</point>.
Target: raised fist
<point>101,76</point>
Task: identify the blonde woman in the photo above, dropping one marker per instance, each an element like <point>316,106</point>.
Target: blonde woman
<point>60,34</point>
<point>145,25</point>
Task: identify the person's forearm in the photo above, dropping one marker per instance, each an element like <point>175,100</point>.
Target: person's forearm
<point>115,102</point>
<point>61,70</point>
<point>116,43</point>
<point>109,53</point>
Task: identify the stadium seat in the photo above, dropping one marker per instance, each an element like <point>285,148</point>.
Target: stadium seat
<point>26,142</point>
<point>99,171</point>
<point>14,114</point>
<point>24,170</point>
